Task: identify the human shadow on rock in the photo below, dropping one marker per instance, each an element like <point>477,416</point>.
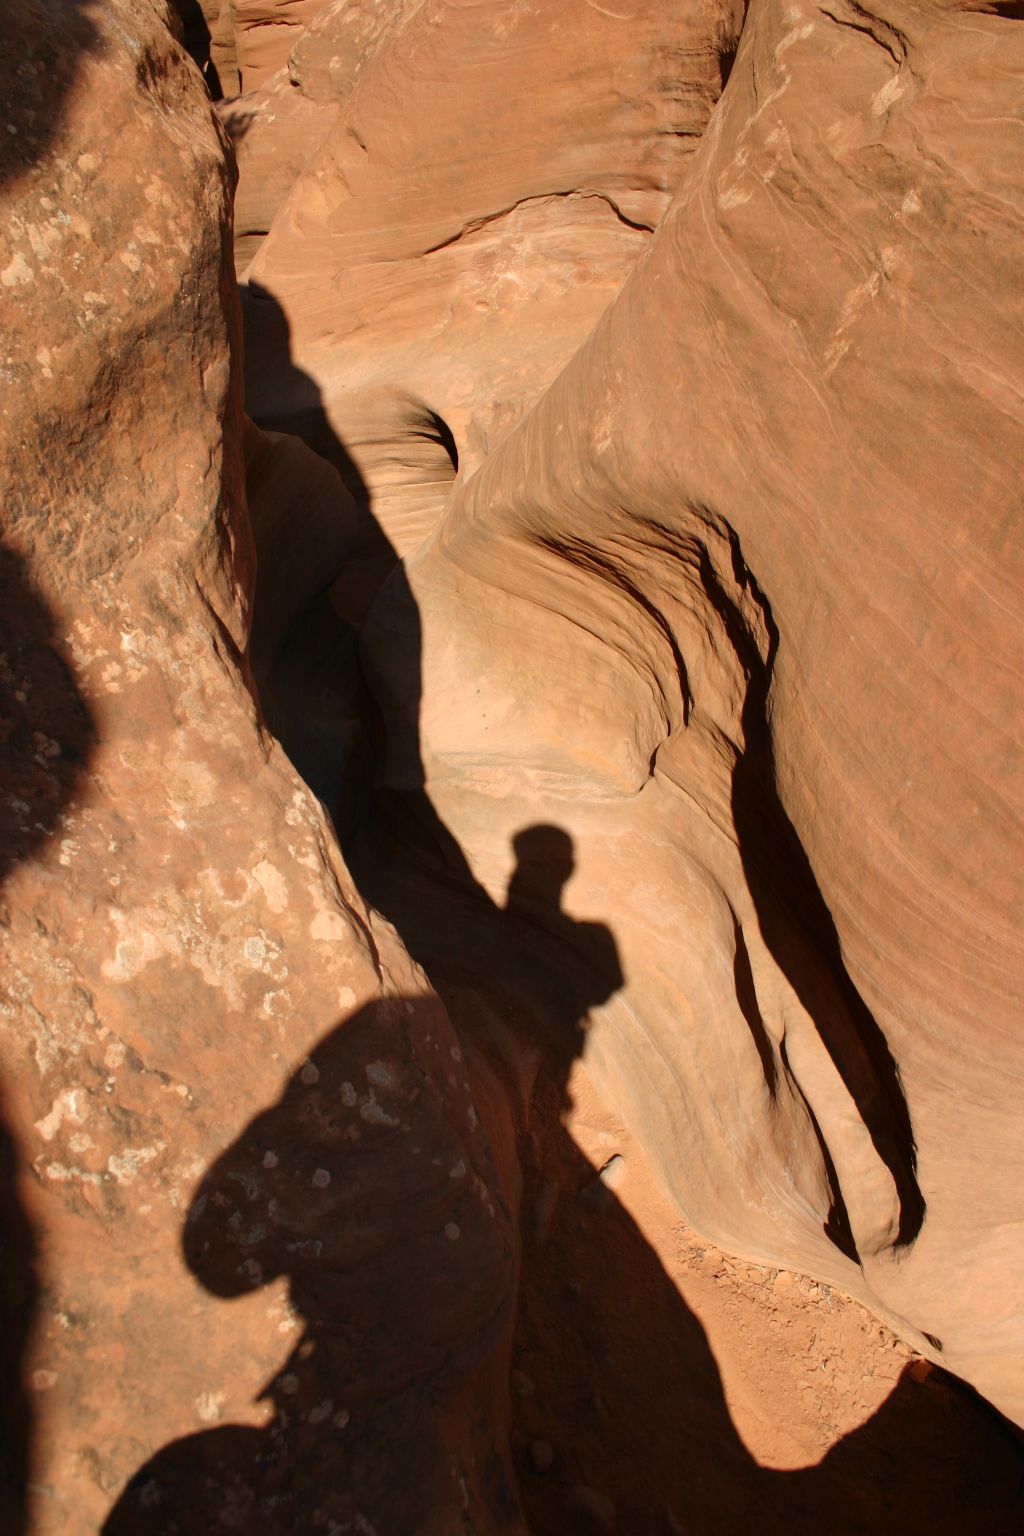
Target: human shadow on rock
<point>359,1187</point>
<point>623,1386</point>
<point>620,1417</point>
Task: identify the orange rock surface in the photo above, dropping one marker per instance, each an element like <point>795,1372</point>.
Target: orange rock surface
<point>510,850</point>
<point>184,954</point>
<point>738,605</point>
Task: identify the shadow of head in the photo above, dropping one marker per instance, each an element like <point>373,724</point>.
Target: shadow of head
<point>39,66</point>
<point>357,1186</point>
<point>575,964</point>
<point>290,1196</point>
<point>545,863</point>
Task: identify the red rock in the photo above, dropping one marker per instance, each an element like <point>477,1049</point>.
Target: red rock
<point>703,608</point>
<point>265,33</point>
<point>738,606</point>
<point>184,955</point>
<point>491,177</point>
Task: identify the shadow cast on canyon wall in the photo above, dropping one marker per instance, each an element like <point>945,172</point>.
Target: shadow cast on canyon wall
<point>38,73</point>
<point>46,740</point>
<point>46,732</point>
<point>613,1373</point>
<point>800,932</point>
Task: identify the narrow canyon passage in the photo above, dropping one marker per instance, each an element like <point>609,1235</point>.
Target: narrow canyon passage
<point>510,768</point>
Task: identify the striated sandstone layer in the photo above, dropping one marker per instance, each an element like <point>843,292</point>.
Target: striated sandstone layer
<point>490,176</point>
<point>233,1106</point>
<point>738,606</point>
<point>277,128</point>
<point>265,32</point>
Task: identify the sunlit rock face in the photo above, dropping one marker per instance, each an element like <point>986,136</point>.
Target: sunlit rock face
<point>738,604</point>
<point>184,956</point>
<point>265,32</point>
<point>481,178</point>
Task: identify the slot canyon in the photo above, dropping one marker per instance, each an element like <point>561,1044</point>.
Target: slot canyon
<point>511,791</point>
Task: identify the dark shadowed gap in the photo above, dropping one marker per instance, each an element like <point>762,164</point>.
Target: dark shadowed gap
<point>798,927</point>
<point>195,39</point>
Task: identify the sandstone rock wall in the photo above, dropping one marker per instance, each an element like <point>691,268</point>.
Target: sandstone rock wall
<point>738,605</point>
<point>184,956</point>
<point>729,599</point>
<point>491,176</point>
<point>265,32</point>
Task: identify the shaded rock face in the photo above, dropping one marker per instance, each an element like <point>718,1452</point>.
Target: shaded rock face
<point>183,950</point>
<point>738,605</point>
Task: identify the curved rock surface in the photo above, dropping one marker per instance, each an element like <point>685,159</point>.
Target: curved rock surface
<point>265,32</point>
<point>491,176</point>
<point>696,792</point>
<point>184,955</point>
<point>738,605</point>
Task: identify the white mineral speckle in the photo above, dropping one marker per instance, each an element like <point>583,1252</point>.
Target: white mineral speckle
<point>329,927</point>
<point>321,1178</point>
<point>273,885</point>
<point>374,1114</point>
<point>208,1406</point>
<point>126,1166</point>
<point>451,1231</point>
<point>69,1105</point>
<point>16,271</point>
